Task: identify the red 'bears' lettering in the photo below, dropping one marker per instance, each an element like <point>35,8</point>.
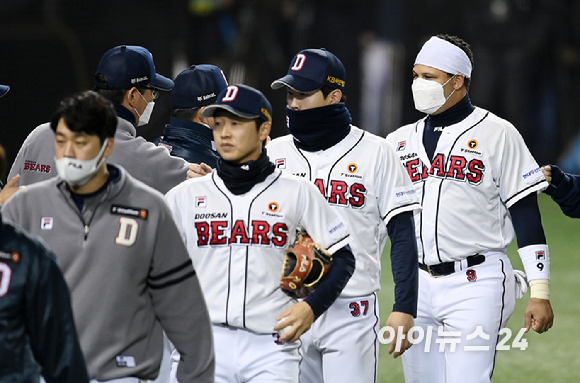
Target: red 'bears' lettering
<point>357,192</point>
<point>202,233</point>
<point>412,169</point>
<point>280,231</point>
<point>456,167</point>
<point>239,234</point>
<point>476,168</point>
<point>218,236</point>
<point>337,192</point>
<point>437,166</point>
<point>260,232</point>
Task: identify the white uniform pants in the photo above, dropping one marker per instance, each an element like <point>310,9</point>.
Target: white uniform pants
<point>244,356</point>
<point>459,303</point>
<point>342,345</point>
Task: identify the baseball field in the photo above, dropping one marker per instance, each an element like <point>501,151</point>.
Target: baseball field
<point>551,357</point>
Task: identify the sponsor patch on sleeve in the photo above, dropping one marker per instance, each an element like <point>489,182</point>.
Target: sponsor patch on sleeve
<point>135,212</point>
<point>404,193</point>
<point>337,229</point>
<point>531,174</point>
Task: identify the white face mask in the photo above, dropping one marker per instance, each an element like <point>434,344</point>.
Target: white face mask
<point>78,172</point>
<point>144,118</point>
<point>428,95</point>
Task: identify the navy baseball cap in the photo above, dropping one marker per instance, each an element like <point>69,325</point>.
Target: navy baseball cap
<point>4,89</point>
<point>128,66</point>
<point>243,101</point>
<point>197,86</point>
<point>311,69</point>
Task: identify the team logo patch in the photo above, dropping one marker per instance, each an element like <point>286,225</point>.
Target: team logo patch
<point>540,255</point>
<point>129,211</point>
<point>352,168</point>
<point>471,276</point>
<point>401,146</point>
<point>472,144</point>
<point>168,147</point>
<point>200,202</point>
<point>14,257</point>
<point>32,166</point>
<point>281,163</point>
<point>125,361</point>
<point>273,207</point>
<point>46,223</point>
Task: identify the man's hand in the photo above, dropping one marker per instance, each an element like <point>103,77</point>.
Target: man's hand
<point>547,170</point>
<point>396,320</point>
<point>9,189</point>
<point>539,315</point>
<point>300,316</point>
<point>198,170</point>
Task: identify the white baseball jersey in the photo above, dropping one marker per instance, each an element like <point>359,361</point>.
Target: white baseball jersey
<point>238,242</point>
<point>365,185</point>
<point>480,168</point>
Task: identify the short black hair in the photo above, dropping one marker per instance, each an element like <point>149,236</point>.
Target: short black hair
<point>113,95</point>
<point>87,112</point>
<point>184,114</point>
<point>326,91</point>
<point>465,48</point>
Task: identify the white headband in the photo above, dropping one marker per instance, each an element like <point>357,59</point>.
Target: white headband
<point>443,55</point>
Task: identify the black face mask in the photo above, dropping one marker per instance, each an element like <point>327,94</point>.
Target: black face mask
<point>240,178</point>
<point>319,128</point>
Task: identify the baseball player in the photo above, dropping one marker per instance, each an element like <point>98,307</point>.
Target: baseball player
<point>121,253</point>
<point>189,135</point>
<point>237,223</point>
<point>564,189</point>
<point>359,175</point>
<point>126,76</point>
<point>478,183</point>
<point>36,318</point>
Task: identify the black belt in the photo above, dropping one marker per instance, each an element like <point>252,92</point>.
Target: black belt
<point>447,268</point>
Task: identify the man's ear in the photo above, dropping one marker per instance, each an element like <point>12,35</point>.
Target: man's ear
<point>109,148</point>
<point>201,119</point>
<point>264,130</point>
<point>335,96</point>
<point>458,81</point>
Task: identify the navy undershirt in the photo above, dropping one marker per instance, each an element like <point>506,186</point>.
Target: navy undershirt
<point>451,116</point>
<point>401,229</point>
<point>331,286</point>
<point>79,199</point>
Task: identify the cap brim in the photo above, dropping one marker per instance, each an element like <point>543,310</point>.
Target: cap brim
<point>161,82</point>
<point>299,84</point>
<point>4,89</point>
<point>209,111</point>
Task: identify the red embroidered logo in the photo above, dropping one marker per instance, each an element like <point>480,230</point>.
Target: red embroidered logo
<point>32,166</point>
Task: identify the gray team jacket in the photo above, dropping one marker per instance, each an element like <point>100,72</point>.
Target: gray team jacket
<point>148,163</point>
<point>129,273</point>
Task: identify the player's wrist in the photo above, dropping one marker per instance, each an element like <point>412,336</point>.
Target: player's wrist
<point>536,261</point>
<point>540,288</point>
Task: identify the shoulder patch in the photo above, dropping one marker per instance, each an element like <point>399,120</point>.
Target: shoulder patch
<point>14,256</point>
<point>129,211</point>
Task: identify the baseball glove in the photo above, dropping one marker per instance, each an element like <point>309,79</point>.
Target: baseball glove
<point>304,266</point>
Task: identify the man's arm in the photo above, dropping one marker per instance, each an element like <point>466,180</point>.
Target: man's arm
<point>564,189</point>
<point>401,229</point>
<point>534,253</point>
<point>179,304</point>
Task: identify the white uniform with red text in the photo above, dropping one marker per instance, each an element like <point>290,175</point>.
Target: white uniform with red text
<point>481,167</point>
<point>366,186</point>
<point>237,244</point>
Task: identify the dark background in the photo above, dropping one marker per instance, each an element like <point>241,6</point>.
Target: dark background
<point>527,55</point>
